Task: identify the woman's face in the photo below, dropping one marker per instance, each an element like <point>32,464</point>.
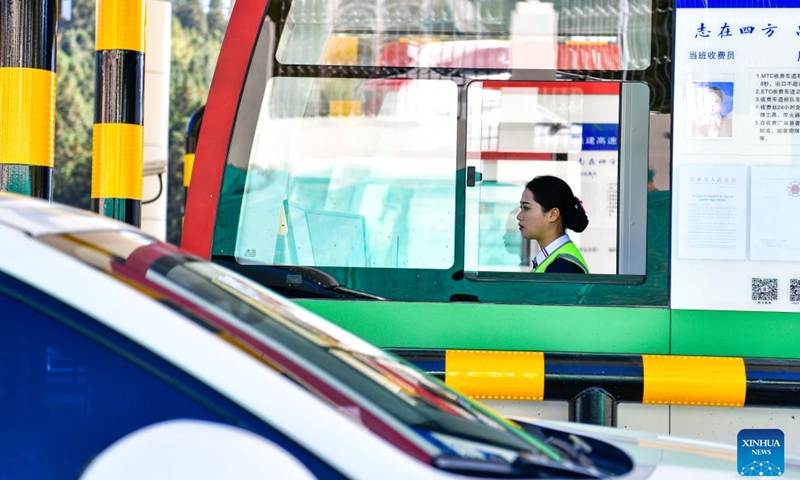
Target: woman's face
<point>711,102</point>
<point>533,220</point>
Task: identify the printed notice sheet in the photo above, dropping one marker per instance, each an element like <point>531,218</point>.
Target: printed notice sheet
<point>712,212</point>
<point>774,213</point>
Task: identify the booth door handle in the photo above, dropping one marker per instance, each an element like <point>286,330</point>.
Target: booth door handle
<point>473,176</point>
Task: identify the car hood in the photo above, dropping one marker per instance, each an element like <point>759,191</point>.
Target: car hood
<point>663,457</point>
<point>36,217</point>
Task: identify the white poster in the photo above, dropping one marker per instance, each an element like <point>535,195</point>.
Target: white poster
<point>735,144</point>
<point>775,214</point>
<point>599,173</point>
<point>712,212</point>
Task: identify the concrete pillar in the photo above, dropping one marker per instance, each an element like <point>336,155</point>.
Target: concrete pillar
<point>156,118</point>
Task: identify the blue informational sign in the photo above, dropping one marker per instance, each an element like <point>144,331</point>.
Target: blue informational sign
<point>760,453</point>
<point>600,136</point>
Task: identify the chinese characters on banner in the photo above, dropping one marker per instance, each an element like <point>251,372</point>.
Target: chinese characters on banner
<point>599,160</point>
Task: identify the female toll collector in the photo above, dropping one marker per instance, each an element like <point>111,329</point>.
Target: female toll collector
<point>547,209</point>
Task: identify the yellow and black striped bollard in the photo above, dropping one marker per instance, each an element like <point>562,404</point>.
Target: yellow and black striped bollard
<point>118,137</point>
<point>27,96</point>
<point>192,134</point>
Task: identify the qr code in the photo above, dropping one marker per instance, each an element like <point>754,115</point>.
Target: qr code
<point>765,289</point>
<point>794,290</point>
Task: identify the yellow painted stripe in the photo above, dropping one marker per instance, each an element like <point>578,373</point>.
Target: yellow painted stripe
<point>188,164</point>
<point>684,380</point>
<point>344,108</point>
<point>495,374</point>
<point>120,25</point>
<point>117,160</point>
<point>27,116</point>
<point>340,51</point>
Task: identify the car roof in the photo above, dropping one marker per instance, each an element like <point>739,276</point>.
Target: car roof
<point>35,217</point>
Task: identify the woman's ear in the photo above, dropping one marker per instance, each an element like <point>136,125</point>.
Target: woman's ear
<point>553,215</point>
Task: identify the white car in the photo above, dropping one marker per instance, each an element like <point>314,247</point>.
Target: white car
<point>123,357</point>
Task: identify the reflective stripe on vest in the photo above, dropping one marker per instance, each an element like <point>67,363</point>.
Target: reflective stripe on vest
<point>568,252</point>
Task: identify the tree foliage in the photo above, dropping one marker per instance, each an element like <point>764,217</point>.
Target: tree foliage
<point>75,107</point>
<point>190,14</point>
<point>195,46</point>
<point>216,18</point>
<point>196,40</point>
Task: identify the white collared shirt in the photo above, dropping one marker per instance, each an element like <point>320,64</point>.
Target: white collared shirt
<point>548,249</point>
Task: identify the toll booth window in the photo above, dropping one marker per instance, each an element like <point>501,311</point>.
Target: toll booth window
<point>350,172</point>
<point>604,35</point>
<point>572,130</point>
<point>519,130</point>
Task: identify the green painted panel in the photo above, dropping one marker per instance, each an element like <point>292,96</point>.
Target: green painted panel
<point>445,285</point>
<point>736,334</point>
<point>501,326</point>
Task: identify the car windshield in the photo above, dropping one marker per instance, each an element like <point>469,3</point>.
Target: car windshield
<point>382,391</point>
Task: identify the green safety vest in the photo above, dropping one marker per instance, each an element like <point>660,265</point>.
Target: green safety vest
<point>568,252</point>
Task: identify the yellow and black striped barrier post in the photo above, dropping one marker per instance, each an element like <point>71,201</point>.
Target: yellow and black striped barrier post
<point>594,384</point>
<point>27,96</point>
<point>192,134</point>
<point>118,137</point>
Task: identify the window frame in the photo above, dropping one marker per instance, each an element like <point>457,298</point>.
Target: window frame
<point>650,289</point>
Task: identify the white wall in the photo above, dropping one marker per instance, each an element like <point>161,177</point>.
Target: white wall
<point>158,37</point>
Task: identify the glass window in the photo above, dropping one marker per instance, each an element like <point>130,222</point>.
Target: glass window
<point>64,397</point>
<point>418,189</point>
<point>352,173</point>
<point>518,130</point>
<point>501,34</point>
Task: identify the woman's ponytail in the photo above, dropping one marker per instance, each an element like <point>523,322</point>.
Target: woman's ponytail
<point>577,221</point>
